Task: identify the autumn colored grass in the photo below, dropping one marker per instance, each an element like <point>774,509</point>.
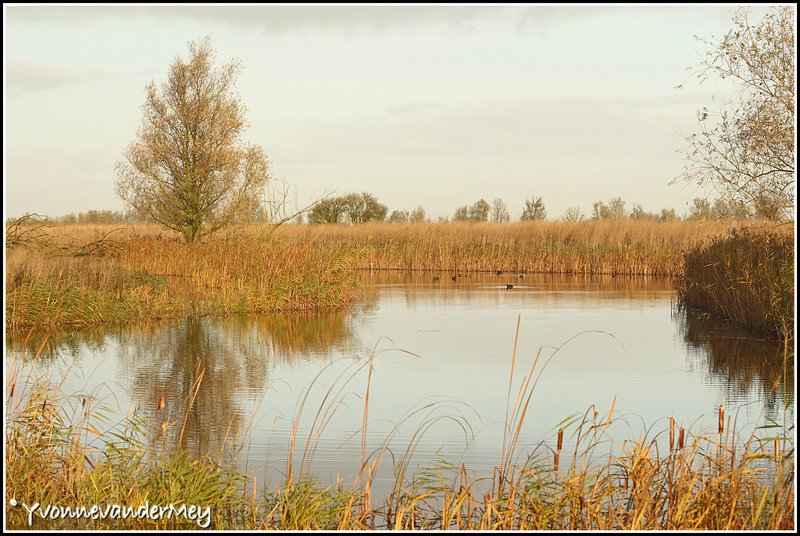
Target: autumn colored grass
<point>677,479</point>
<point>621,247</point>
<point>78,275</point>
<point>93,275</point>
<point>747,277</point>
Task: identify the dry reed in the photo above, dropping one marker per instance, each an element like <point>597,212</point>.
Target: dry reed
<point>587,247</point>
<point>711,481</point>
<point>91,277</point>
<point>747,277</point>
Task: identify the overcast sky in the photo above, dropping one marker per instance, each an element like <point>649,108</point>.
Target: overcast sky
<point>432,106</point>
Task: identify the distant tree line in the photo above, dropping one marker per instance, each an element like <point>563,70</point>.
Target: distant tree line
<point>355,208</point>
<point>98,217</point>
<point>403,216</point>
<point>350,208</point>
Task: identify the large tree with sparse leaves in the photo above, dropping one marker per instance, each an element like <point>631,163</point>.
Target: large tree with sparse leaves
<point>745,148</point>
<point>188,168</point>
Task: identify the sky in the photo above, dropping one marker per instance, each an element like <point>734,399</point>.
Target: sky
<point>437,106</point>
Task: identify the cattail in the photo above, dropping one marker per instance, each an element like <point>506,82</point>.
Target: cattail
<point>558,450</point>
<point>680,438</point>
<point>671,433</point>
<point>161,403</point>
<point>721,418</point>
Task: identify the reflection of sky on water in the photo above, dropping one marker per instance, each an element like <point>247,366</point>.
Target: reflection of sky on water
<point>444,351</point>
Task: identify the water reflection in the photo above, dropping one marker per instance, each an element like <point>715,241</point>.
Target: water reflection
<point>221,367</point>
<point>49,346</point>
<point>657,362</point>
<point>739,361</point>
<point>417,286</point>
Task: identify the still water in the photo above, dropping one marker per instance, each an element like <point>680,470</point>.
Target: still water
<point>442,353</point>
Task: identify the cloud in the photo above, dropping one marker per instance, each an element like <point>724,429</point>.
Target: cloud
<point>24,76</point>
<point>285,18</point>
<point>569,130</point>
<point>414,108</point>
<point>571,150</point>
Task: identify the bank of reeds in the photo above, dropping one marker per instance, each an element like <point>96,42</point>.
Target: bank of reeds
<point>746,277</point>
<point>93,277</point>
<point>621,247</point>
<point>675,480</point>
<point>76,275</point>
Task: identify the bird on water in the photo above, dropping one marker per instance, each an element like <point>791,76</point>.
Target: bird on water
<point>509,287</point>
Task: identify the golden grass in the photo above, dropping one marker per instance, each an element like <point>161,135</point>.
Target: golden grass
<point>587,247</point>
<point>78,275</point>
<point>86,276</point>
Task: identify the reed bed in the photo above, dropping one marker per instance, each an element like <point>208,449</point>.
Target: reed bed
<point>95,276</point>
<point>579,480</point>
<point>746,277</point>
<point>76,275</point>
<point>589,247</point>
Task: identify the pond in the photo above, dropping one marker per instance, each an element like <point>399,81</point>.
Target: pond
<point>442,352</point>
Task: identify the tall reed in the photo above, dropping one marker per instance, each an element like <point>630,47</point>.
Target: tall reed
<point>746,277</point>
<point>582,480</point>
<point>75,275</point>
<point>587,247</point>
<point>89,279</point>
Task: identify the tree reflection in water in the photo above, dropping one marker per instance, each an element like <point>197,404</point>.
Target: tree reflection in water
<point>227,361</point>
<point>740,361</point>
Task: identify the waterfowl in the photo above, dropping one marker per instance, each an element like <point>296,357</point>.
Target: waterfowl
<point>453,278</point>
<point>499,272</point>
<point>509,287</point>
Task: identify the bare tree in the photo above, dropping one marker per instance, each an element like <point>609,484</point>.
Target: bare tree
<point>275,207</point>
<point>572,214</point>
<point>745,150</point>
<point>188,168</point>
<point>500,211</point>
<point>28,230</point>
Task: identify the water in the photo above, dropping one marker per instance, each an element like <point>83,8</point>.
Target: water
<point>440,383</point>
